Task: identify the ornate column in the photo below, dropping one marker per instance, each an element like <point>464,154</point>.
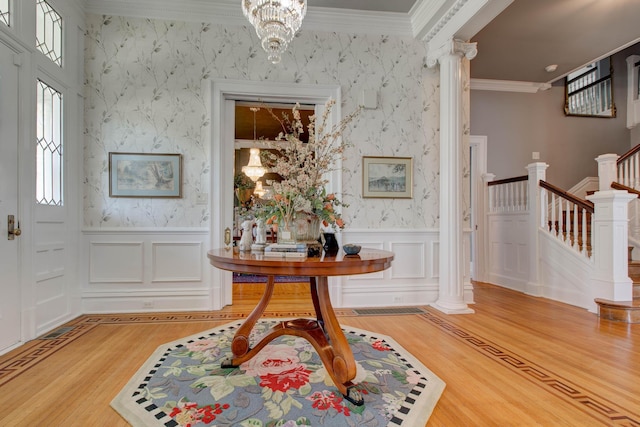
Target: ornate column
<point>452,260</point>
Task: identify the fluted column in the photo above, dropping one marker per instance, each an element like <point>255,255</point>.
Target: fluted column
<point>452,259</point>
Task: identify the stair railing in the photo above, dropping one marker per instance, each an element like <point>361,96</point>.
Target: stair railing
<point>566,217</point>
<point>509,195</point>
<point>629,168</point>
<point>588,95</point>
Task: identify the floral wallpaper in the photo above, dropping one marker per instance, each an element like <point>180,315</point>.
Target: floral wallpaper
<point>145,93</point>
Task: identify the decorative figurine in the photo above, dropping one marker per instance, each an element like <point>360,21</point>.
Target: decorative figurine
<point>247,236</point>
<point>261,236</point>
<point>261,232</point>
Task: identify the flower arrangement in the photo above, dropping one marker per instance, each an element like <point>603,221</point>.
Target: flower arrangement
<point>303,168</point>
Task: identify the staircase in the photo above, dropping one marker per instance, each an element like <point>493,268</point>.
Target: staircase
<point>624,311</point>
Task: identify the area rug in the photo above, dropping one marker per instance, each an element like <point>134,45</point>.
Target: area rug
<point>284,385</point>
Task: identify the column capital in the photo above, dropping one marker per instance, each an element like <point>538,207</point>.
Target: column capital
<point>452,47</point>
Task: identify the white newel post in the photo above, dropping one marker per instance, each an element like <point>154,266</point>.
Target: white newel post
<point>607,170</point>
<point>610,279</point>
<point>537,171</point>
<point>451,266</point>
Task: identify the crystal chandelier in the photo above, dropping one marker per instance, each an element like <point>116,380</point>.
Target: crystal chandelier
<point>276,22</point>
<point>254,169</point>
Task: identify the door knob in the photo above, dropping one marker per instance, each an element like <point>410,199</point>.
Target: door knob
<point>12,230</point>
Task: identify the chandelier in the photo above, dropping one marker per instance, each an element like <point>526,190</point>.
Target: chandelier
<point>254,169</point>
<point>276,22</point>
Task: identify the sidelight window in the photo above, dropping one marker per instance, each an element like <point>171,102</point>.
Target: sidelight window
<point>49,146</point>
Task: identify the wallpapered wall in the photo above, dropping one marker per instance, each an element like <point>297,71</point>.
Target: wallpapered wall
<point>145,93</point>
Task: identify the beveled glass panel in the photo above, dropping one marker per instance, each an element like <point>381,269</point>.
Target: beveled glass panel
<point>49,32</point>
<point>49,146</point>
<point>5,12</point>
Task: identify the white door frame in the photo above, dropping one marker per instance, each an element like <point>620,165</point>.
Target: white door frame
<point>222,155</point>
<point>478,145</point>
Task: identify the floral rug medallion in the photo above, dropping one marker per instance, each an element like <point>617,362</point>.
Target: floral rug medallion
<point>284,385</point>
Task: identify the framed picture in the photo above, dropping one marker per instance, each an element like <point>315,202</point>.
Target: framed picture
<point>387,177</point>
<point>145,175</point>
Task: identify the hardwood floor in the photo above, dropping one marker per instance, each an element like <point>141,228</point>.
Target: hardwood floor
<point>518,361</point>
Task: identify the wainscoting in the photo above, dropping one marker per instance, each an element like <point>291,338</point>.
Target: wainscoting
<point>145,270</point>
<point>150,270</point>
<point>412,278</point>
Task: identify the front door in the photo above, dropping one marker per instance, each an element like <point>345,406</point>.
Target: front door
<point>9,249</point>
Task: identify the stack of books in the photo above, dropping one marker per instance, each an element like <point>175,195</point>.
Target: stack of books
<point>279,250</point>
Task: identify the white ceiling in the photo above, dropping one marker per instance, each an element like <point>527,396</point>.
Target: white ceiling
<point>531,34</point>
<point>401,6</point>
<point>517,45</point>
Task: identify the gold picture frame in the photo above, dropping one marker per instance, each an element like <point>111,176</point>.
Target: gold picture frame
<point>145,175</point>
<point>387,177</point>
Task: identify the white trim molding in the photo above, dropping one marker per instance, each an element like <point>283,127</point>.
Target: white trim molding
<point>228,12</point>
<point>508,86</point>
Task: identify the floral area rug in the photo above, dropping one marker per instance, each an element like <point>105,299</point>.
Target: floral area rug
<point>284,385</point>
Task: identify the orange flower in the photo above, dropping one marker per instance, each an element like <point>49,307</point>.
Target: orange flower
<point>328,207</point>
<point>331,196</point>
<point>340,222</point>
<point>271,220</point>
<point>325,223</point>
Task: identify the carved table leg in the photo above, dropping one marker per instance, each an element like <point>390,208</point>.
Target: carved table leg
<point>338,357</point>
<point>240,344</point>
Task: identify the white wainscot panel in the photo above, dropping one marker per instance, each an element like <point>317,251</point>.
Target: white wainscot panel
<point>412,278</point>
<point>177,261</point>
<point>116,262</point>
<point>150,269</point>
<point>408,262</point>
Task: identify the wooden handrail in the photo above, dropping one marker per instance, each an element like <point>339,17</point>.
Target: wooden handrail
<point>509,180</point>
<point>618,186</point>
<point>628,154</point>
<point>585,73</point>
<point>590,85</point>
<point>584,204</point>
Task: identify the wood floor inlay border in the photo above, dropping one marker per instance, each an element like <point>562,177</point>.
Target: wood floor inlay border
<point>596,406</point>
<point>35,351</point>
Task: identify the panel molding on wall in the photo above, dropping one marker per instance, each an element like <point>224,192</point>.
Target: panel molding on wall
<point>412,278</point>
<point>145,269</point>
<point>174,273</point>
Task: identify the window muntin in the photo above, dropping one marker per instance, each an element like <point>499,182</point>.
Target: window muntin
<point>49,32</point>
<point>49,146</point>
<point>5,12</point>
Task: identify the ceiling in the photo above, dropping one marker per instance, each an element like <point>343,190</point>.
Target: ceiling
<point>531,34</point>
<point>517,45</point>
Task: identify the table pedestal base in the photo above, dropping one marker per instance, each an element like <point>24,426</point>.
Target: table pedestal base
<point>324,333</point>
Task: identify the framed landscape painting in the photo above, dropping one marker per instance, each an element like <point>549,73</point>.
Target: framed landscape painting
<point>387,177</point>
<point>145,175</point>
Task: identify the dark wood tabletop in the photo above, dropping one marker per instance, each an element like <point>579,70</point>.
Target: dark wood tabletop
<point>367,261</point>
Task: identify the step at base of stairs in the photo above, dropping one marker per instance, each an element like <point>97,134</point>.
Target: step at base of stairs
<point>619,311</point>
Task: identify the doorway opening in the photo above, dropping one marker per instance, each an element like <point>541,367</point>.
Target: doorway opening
<point>225,95</point>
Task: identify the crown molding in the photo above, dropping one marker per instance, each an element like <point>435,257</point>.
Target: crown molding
<point>425,14</point>
<point>229,12</point>
<point>508,86</point>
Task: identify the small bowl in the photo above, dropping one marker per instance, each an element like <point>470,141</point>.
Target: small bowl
<point>350,249</point>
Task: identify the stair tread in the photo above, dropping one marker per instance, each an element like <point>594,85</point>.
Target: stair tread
<point>633,304</point>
